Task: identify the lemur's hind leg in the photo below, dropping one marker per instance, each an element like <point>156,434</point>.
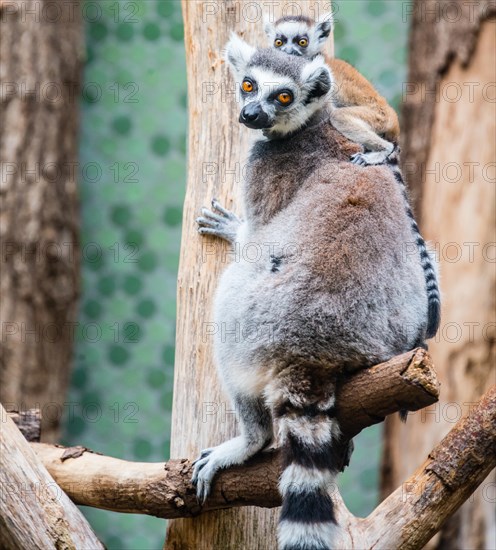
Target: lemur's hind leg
<point>218,222</point>
<point>362,125</point>
<point>256,433</point>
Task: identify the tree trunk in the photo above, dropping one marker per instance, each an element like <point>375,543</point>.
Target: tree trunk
<point>218,147</point>
<point>34,511</point>
<point>40,57</point>
<point>448,157</point>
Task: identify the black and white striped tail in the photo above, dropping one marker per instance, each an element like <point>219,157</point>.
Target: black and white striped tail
<point>307,432</point>
<point>428,262</point>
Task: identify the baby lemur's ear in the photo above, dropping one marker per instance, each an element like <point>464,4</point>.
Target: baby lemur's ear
<point>325,25</point>
<point>238,53</point>
<point>269,27</point>
<point>317,78</point>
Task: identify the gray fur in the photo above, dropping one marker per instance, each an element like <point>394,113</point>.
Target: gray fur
<point>343,295</point>
<point>265,59</point>
<point>298,18</point>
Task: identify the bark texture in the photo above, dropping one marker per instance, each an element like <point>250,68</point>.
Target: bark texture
<point>218,148</point>
<point>34,511</point>
<point>448,153</point>
<point>452,472</point>
<point>28,423</point>
<point>443,34</point>
<point>40,65</point>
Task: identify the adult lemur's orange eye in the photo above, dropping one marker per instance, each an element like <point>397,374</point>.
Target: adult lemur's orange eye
<point>247,86</point>
<point>285,98</point>
<point>277,42</point>
<point>303,42</point>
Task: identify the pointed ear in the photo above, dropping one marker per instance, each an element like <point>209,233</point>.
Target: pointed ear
<point>317,78</point>
<point>238,53</point>
<point>268,26</point>
<point>324,27</point>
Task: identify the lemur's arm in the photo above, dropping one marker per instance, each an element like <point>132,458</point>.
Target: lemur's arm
<point>219,222</point>
<point>362,114</point>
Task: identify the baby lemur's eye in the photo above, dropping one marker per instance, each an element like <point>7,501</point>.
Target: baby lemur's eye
<point>285,98</point>
<point>247,86</point>
<point>303,42</point>
<point>278,42</point>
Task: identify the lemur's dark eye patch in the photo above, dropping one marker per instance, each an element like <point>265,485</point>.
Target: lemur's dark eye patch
<point>303,42</point>
<point>280,41</point>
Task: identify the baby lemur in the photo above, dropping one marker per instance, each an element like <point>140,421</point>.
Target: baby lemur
<point>358,111</point>
<point>329,292</point>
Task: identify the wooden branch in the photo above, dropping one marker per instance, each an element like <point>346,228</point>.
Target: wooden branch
<point>28,422</point>
<point>410,516</point>
<point>164,490</point>
<point>34,511</point>
<point>158,489</point>
<point>407,519</point>
<point>407,381</point>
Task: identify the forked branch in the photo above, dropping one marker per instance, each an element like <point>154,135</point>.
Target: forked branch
<point>407,519</point>
<point>164,490</point>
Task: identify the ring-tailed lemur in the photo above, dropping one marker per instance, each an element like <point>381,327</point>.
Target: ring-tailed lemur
<point>360,114</point>
<point>329,292</point>
<point>358,111</point>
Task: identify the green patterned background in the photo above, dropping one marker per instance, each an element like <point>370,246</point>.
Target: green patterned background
<point>133,159</point>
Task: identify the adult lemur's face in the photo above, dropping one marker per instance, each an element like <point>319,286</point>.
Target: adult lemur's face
<point>279,92</point>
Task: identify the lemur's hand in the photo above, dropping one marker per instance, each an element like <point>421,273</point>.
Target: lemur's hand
<point>218,222</point>
<point>373,158</point>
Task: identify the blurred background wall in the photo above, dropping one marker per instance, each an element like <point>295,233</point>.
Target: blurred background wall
<point>132,156</point>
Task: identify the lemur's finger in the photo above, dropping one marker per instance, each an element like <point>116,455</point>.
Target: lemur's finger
<point>205,491</point>
<point>201,463</point>
<point>226,213</point>
<point>209,214</point>
<point>203,454</point>
<point>209,231</point>
<point>207,222</point>
<point>204,487</point>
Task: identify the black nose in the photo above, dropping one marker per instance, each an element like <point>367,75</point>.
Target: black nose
<point>292,51</point>
<point>250,113</point>
<point>253,116</point>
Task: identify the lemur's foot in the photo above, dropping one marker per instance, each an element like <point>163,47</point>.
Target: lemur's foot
<point>394,156</point>
<point>218,222</point>
<point>210,461</point>
<point>372,158</point>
